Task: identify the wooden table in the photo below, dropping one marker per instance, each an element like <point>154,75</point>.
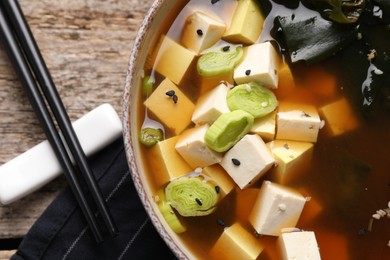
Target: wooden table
<point>86,45</point>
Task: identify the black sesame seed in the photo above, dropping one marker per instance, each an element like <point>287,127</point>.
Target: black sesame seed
<point>199,32</point>
<point>220,222</point>
<point>362,232</point>
<point>236,162</point>
<point>198,201</point>
<point>175,99</point>
<point>214,1</point>
<point>170,93</point>
<point>226,48</point>
<point>248,72</point>
<point>217,189</point>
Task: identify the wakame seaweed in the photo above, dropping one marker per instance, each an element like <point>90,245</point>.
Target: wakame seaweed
<point>307,35</point>
<point>311,38</point>
<point>368,81</point>
<point>311,30</point>
<point>339,11</point>
<point>380,9</point>
<point>305,30</point>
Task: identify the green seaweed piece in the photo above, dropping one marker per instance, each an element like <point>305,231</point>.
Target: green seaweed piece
<point>367,83</point>
<point>340,11</point>
<point>311,38</point>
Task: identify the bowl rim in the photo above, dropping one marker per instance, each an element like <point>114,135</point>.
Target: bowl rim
<point>126,118</point>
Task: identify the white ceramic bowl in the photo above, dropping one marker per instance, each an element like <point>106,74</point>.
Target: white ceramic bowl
<point>148,34</point>
<point>157,21</point>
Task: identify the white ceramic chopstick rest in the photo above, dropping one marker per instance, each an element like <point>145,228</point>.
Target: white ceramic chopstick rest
<point>36,167</point>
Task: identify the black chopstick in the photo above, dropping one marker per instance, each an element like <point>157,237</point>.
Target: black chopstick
<point>25,55</point>
<point>42,74</point>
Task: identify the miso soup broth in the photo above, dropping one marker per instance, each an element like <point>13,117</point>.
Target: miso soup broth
<point>346,179</point>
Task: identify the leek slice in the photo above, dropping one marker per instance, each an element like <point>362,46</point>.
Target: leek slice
<point>150,136</point>
<point>220,62</point>
<point>228,129</point>
<point>192,196</point>
<point>171,218</point>
<point>257,100</point>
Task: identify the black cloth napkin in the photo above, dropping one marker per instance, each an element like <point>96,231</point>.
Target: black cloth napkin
<point>62,232</point>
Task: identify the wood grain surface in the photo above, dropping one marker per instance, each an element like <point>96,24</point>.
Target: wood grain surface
<point>86,45</point>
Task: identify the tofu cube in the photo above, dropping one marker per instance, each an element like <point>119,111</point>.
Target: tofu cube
<point>299,245</point>
<point>206,84</point>
<point>192,147</point>
<point>172,60</point>
<point>175,116</point>
<point>339,117</point>
<point>166,162</point>
<point>292,159</point>
<point>298,122</point>
<point>320,82</point>
<point>218,174</point>
<point>276,207</point>
<point>286,82</point>
<point>259,65</point>
<point>236,243</point>
<point>211,105</point>
<point>201,31</point>
<point>254,160</point>
<point>265,126</point>
<point>246,24</point>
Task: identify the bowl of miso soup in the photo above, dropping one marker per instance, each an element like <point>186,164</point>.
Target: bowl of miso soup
<point>260,129</point>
